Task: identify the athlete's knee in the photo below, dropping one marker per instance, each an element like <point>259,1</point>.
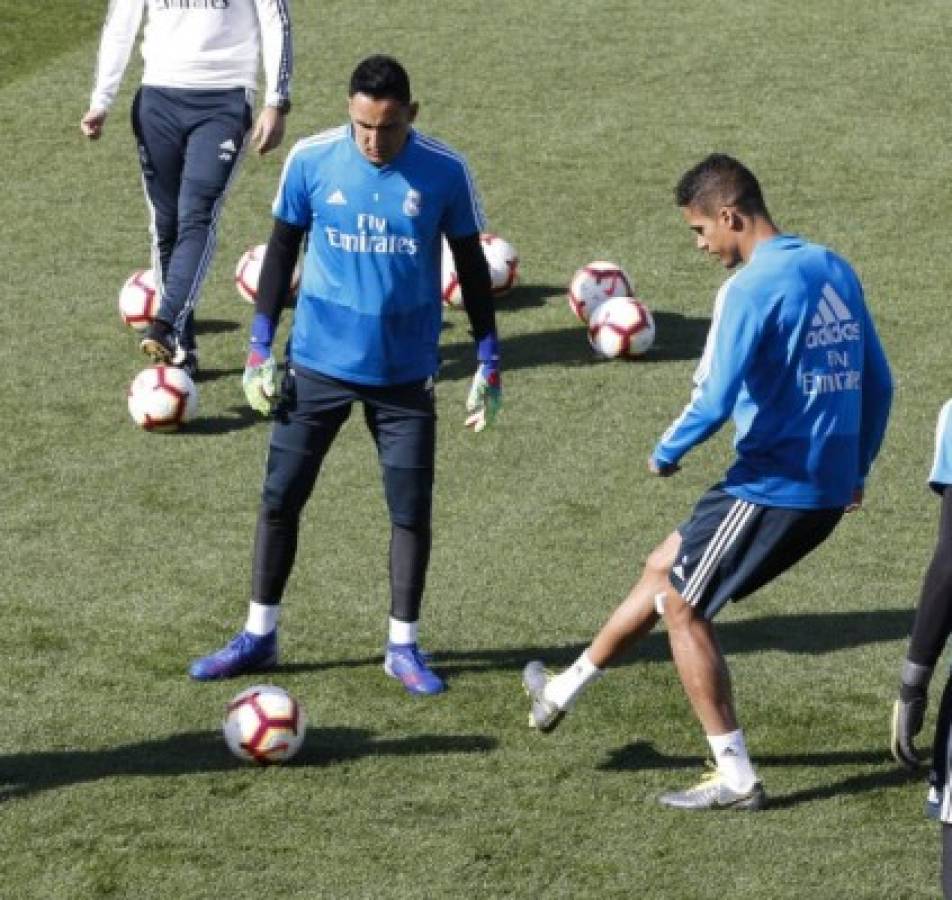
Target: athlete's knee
<point>677,612</point>
<point>197,202</point>
<point>409,496</point>
<point>288,482</point>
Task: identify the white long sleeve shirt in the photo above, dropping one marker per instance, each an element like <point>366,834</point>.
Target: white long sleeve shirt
<point>199,44</point>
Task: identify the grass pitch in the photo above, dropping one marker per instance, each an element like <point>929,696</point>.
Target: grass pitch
<point>126,554</point>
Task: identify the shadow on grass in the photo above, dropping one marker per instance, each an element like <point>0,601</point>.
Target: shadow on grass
<point>23,774</point>
<point>241,417</point>
<point>678,338</point>
<point>641,756</point>
<point>809,634</point>
<point>215,374</point>
<point>215,326</point>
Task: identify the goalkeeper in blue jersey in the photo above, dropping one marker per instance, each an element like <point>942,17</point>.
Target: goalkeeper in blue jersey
<point>930,631</point>
<point>375,198</point>
<point>793,359</point>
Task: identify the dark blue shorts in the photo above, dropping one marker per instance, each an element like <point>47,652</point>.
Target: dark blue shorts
<point>731,547</point>
<point>401,418</point>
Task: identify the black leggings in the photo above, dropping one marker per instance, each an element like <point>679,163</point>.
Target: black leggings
<point>933,622</point>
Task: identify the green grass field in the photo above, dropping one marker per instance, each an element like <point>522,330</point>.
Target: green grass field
<point>125,554</point>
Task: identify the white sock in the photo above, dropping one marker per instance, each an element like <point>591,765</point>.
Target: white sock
<point>733,763</point>
<point>262,617</point>
<point>566,686</point>
<point>403,632</point>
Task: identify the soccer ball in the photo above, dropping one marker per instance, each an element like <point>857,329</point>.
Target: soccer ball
<point>450,292</point>
<point>138,301</point>
<point>595,283</point>
<point>503,262</point>
<point>264,724</point>
<point>621,327</point>
<point>162,398</point>
<point>248,273</point>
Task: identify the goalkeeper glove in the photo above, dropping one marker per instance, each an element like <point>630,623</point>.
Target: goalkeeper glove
<point>485,393</point>
<point>260,381</point>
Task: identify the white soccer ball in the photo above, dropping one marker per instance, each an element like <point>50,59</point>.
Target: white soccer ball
<point>248,271</point>
<point>264,724</point>
<point>248,274</point>
<point>595,283</point>
<point>162,398</point>
<point>621,327</point>
<point>138,300</point>
<point>503,262</point>
<point>450,292</point>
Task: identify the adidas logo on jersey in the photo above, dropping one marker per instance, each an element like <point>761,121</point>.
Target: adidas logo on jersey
<point>833,323</point>
<point>337,198</point>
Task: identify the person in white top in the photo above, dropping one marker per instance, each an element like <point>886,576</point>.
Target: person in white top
<point>192,117</point>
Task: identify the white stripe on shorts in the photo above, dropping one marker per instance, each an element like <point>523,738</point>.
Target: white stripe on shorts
<point>726,534</point>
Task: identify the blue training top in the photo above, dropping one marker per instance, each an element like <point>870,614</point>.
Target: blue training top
<point>369,307</point>
<point>941,474</point>
<point>793,357</point>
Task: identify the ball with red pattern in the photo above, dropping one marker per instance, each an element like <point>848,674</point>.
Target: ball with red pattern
<point>162,398</point>
<point>503,262</point>
<point>138,301</point>
<point>450,292</point>
<point>248,273</point>
<point>621,327</point>
<point>264,724</point>
<point>595,283</point>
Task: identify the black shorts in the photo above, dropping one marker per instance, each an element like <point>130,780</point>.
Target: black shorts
<point>731,547</point>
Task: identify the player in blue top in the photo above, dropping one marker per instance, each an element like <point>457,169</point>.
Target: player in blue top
<point>793,358</point>
<point>930,631</point>
<point>374,199</point>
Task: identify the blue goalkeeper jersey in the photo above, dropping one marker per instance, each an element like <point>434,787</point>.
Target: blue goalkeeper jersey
<point>369,307</point>
<point>793,357</point>
<point>941,475</point>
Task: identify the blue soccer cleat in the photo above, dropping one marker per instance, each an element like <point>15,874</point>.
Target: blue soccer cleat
<point>245,653</point>
<point>408,665</point>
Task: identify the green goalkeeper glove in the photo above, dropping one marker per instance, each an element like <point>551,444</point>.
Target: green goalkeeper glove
<point>485,398</point>
<point>260,382</point>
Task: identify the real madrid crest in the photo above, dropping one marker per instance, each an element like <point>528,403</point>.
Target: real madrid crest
<point>411,203</point>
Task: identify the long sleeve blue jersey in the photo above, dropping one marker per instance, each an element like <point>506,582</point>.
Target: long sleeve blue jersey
<point>793,357</point>
<point>941,475</point>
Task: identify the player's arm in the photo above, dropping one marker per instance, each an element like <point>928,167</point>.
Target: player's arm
<point>485,395</point>
<point>731,343</point>
<point>115,47</point>
<point>260,378</point>
<point>877,399</point>
<point>277,52</point>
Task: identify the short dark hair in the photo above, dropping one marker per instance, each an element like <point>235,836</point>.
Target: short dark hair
<point>720,180</point>
<point>382,78</point>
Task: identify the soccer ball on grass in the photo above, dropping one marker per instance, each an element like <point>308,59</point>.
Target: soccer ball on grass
<point>621,327</point>
<point>503,264</point>
<point>162,398</point>
<point>138,301</point>
<point>264,724</point>
<point>595,283</point>
<point>248,273</point>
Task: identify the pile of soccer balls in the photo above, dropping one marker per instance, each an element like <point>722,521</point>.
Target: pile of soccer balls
<point>602,296</point>
<point>161,398</point>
